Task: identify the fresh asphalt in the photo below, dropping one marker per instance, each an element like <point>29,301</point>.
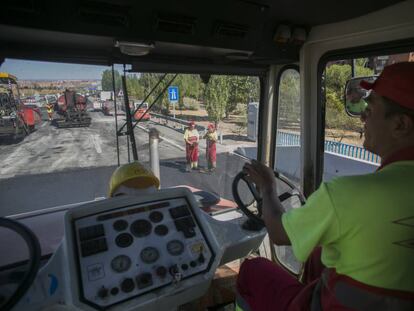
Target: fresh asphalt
<point>53,167</point>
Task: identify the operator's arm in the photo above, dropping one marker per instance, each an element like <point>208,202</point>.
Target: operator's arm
<point>272,209</point>
<point>272,212</point>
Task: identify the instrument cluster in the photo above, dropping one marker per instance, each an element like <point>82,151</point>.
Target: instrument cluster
<point>130,251</point>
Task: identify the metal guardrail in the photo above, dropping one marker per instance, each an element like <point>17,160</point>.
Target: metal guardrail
<point>357,152</point>
<point>292,139</point>
<point>287,139</point>
<point>184,124</point>
<point>351,151</point>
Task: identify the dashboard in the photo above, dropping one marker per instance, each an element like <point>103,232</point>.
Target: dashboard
<point>130,251</point>
<point>150,252</point>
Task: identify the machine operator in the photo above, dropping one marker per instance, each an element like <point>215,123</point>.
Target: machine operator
<point>362,225</point>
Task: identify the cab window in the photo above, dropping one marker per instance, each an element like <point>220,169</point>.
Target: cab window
<point>287,150</point>
<point>57,162</point>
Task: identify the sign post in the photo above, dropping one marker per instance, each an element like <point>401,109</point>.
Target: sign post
<point>173,96</point>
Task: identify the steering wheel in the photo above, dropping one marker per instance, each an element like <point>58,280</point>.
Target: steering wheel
<point>255,221</point>
<point>33,264</point>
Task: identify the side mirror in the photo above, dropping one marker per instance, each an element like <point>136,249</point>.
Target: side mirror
<point>354,97</point>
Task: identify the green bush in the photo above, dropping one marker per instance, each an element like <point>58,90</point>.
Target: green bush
<point>193,107</point>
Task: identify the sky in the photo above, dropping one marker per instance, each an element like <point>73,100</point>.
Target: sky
<point>33,70</point>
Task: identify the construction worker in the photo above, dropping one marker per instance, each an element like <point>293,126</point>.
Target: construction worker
<point>49,108</point>
<point>132,179</point>
<point>363,223</point>
<point>191,138</point>
<point>211,139</point>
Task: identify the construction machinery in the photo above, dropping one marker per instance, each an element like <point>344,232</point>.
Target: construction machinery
<point>71,111</point>
<point>16,119</point>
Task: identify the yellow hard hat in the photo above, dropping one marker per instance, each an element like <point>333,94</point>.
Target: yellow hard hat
<point>133,175</point>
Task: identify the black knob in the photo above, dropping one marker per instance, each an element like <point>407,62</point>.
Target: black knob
<point>161,271</point>
<point>127,285</point>
<point>184,266</point>
<point>103,292</point>
<point>193,263</point>
<point>173,270</point>
<point>201,258</point>
<point>114,291</point>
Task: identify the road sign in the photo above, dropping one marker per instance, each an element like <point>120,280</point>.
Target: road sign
<point>173,94</point>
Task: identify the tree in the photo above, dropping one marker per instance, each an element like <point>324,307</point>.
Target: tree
<point>216,97</point>
<point>106,81</point>
<point>135,89</point>
<point>289,99</point>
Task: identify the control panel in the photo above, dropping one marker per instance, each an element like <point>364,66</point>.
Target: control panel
<point>126,252</point>
<point>143,253</point>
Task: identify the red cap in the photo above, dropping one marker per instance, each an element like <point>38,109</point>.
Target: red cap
<point>192,123</point>
<point>210,126</point>
<point>396,82</point>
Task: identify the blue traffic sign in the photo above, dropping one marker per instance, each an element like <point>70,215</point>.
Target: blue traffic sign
<point>173,94</point>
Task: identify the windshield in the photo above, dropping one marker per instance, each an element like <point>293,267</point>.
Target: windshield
<point>55,161</point>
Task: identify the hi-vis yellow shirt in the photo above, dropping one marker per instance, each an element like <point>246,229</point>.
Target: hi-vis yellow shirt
<point>188,134</point>
<point>211,136</point>
<point>365,225</point>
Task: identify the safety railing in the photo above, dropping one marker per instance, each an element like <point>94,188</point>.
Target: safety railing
<point>180,124</point>
<point>357,152</point>
<point>287,139</point>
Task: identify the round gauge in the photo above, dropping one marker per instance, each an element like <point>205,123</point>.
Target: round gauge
<point>124,240</point>
<point>120,225</point>
<point>175,247</point>
<point>161,230</point>
<point>121,263</point>
<point>141,228</point>
<point>156,216</point>
<point>149,254</point>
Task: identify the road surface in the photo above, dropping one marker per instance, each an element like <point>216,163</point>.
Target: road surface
<point>53,167</point>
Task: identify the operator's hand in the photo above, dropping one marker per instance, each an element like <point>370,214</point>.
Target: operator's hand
<point>262,175</point>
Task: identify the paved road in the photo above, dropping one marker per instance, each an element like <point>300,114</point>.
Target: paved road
<point>54,167</point>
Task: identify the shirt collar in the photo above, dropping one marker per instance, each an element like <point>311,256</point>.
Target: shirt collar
<point>406,154</point>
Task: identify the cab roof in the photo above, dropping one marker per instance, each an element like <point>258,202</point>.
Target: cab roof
<point>187,35</point>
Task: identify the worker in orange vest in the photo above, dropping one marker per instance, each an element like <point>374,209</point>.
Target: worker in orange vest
<point>211,139</point>
<point>49,108</point>
<point>191,138</point>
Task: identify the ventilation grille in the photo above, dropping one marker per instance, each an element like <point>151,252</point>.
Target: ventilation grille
<point>175,24</point>
<point>227,30</point>
<point>93,12</point>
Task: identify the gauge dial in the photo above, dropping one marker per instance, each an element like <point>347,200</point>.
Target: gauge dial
<point>121,263</point>
<point>149,254</point>
<point>175,247</point>
<point>161,230</point>
<point>156,216</point>
<point>141,228</point>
